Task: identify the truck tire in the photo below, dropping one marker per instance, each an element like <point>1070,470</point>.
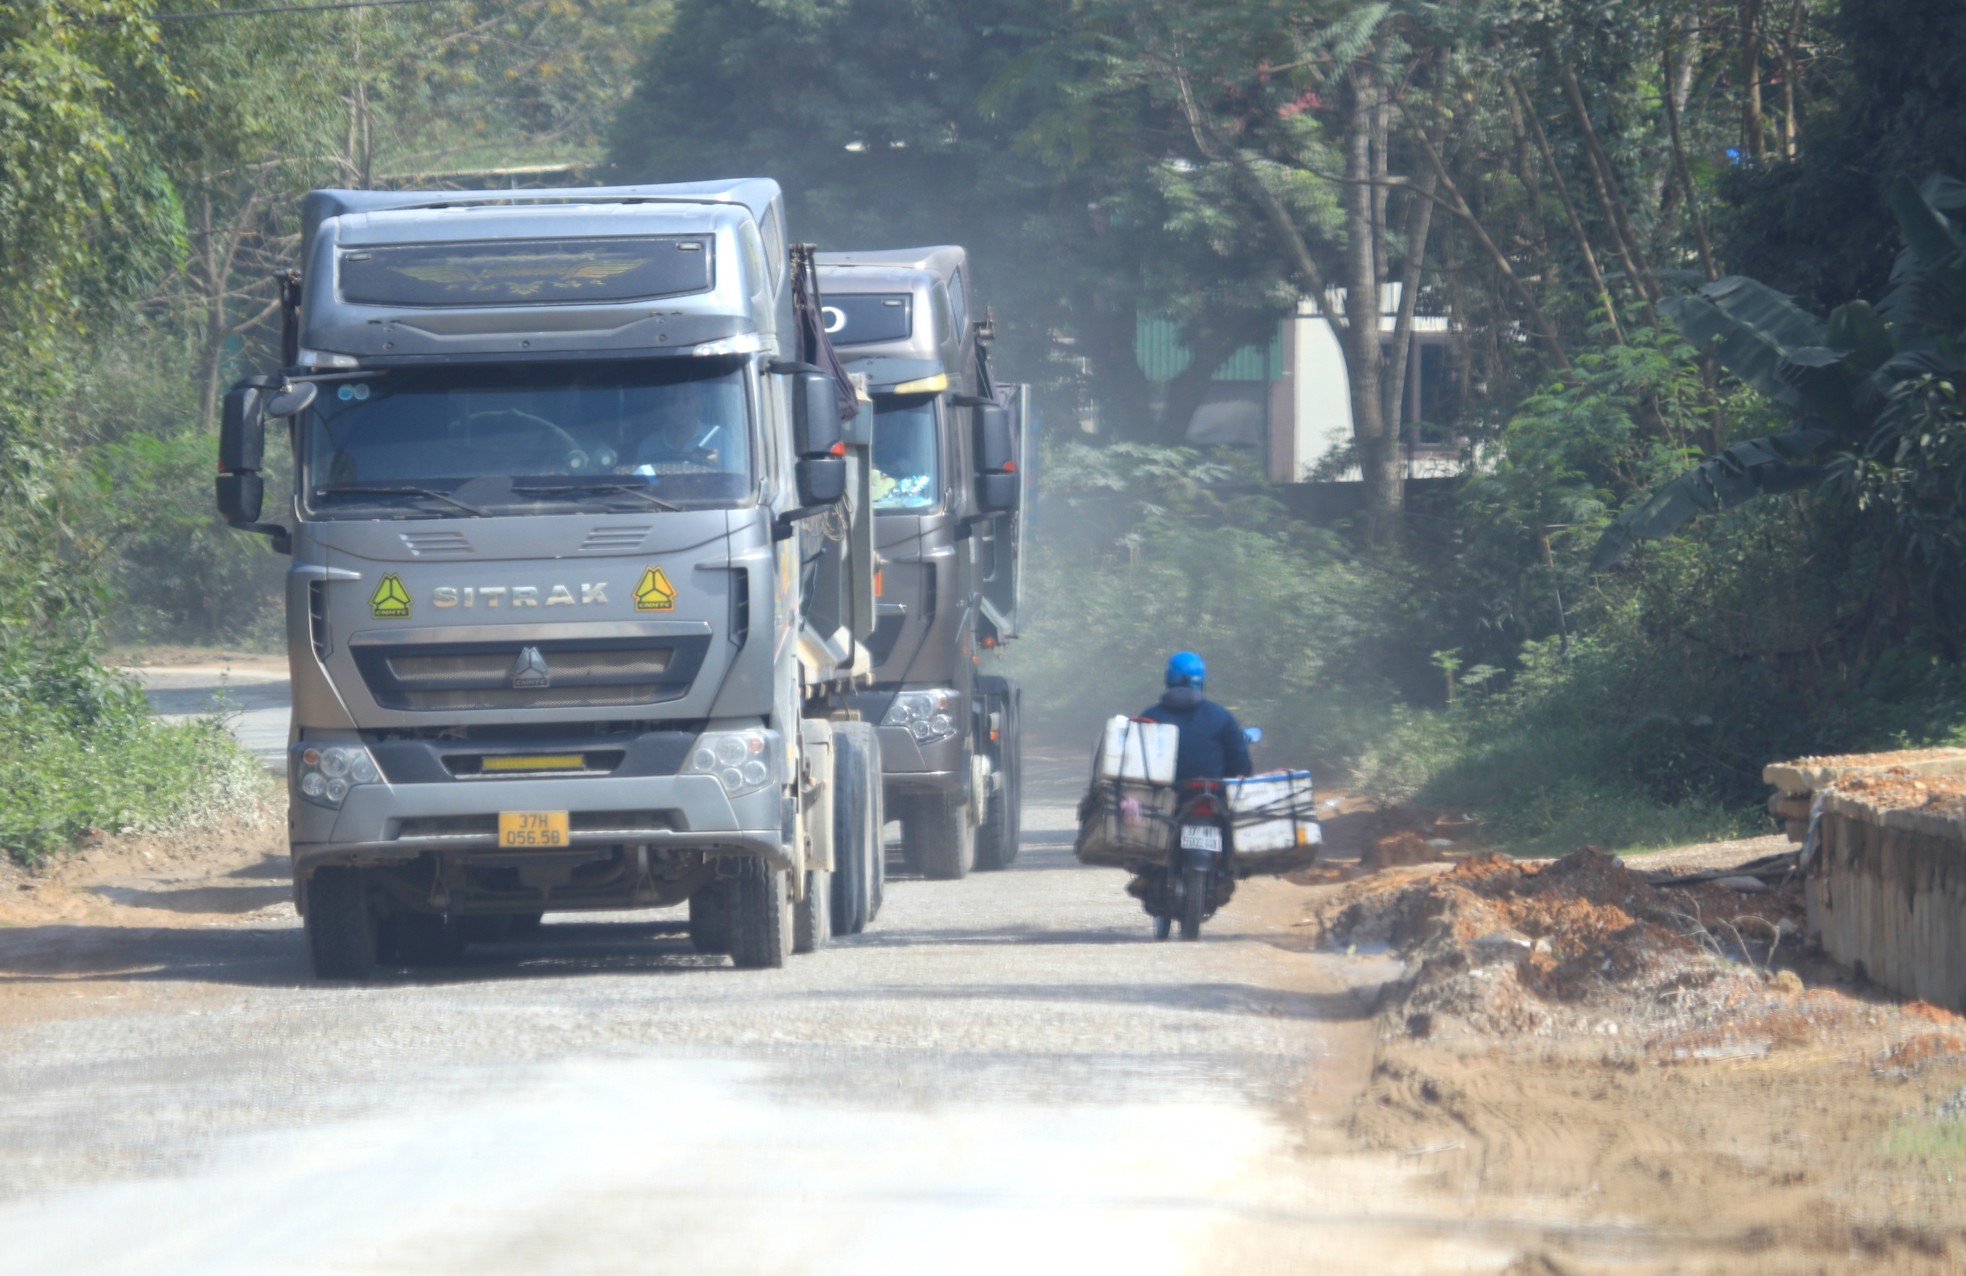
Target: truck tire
<point>877,850</point>
<point>997,837</point>
<point>856,799</point>
<point>340,925</point>
<point>812,917</point>
<point>760,916</point>
<point>940,830</point>
<point>709,919</point>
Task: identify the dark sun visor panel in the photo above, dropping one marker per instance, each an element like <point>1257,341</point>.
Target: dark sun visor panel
<point>856,320</point>
<point>525,272</point>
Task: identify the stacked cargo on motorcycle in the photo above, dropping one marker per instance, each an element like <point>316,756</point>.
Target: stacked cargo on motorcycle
<point>1273,821</point>
<point>1126,816</point>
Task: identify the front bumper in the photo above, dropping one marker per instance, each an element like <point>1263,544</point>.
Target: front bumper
<point>388,823</point>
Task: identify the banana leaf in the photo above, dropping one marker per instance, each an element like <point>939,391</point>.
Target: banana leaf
<point>1733,476</point>
<point>1751,329</point>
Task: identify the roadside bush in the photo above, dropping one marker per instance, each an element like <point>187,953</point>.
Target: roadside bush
<point>80,750</point>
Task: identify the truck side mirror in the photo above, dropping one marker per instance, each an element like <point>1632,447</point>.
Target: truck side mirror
<point>242,427</point>
<point>998,493</point>
<point>992,440</point>
<point>821,479</point>
<point>241,496</point>
<point>241,490</point>
<point>815,414</point>
<point>999,488</point>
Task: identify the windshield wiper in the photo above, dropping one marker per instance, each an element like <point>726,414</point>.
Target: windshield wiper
<point>581,489</point>
<point>429,492</point>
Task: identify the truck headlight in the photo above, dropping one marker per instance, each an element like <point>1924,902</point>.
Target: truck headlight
<point>323,775</point>
<point>743,761</point>
<point>928,715</point>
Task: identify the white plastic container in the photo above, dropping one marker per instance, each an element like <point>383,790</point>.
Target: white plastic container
<point>1273,813</point>
<point>1134,750</point>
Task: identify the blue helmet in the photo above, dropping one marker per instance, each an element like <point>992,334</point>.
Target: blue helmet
<point>1185,669</point>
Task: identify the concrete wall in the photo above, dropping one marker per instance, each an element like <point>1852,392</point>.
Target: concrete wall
<point>1887,893</point>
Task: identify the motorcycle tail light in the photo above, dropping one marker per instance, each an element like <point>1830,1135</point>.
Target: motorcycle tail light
<point>1203,807</point>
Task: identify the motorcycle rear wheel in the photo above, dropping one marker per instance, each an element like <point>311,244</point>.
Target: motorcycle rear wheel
<point>1194,901</point>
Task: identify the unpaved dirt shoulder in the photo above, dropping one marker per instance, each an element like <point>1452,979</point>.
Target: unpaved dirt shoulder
<point>1573,1041</point>
<point>127,920</point>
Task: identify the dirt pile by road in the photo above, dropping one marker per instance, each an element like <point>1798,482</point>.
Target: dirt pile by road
<point>1669,1060</point>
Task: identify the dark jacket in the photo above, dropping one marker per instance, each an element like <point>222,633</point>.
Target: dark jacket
<point>1212,745</point>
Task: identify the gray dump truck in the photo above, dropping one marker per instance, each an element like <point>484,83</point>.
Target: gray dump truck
<point>582,572</point>
<point>948,491</point>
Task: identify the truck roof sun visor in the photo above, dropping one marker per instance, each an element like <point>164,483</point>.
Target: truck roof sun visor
<point>526,272</point>
<point>859,319</point>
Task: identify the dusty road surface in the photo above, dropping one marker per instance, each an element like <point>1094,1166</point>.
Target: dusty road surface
<point>1004,1075</point>
<point>250,689</point>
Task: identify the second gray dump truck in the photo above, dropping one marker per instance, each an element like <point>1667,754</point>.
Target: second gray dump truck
<point>581,571</point>
<point>948,492</point>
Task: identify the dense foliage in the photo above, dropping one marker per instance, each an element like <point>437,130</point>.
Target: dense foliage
<point>1546,176</point>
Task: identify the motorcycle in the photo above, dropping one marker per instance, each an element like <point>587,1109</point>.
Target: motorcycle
<point>1197,879</point>
<point>1187,844</point>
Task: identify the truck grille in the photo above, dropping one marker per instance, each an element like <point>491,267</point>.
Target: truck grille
<point>551,674</point>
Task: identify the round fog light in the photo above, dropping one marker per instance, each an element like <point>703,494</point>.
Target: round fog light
<point>920,730</point>
<point>942,724</point>
<point>364,771</point>
<point>754,773</point>
<point>312,784</point>
<point>731,778</point>
<point>337,790</point>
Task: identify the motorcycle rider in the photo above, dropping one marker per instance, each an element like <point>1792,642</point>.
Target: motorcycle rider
<point>1212,744</point>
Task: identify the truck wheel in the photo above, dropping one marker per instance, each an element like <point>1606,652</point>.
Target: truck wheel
<point>760,916</point>
<point>939,826</point>
<point>877,848</point>
<point>340,926</point>
<point>812,917</point>
<point>709,919</point>
<point>856,795</point>
<point>428,939</point>
<point>996,839</point>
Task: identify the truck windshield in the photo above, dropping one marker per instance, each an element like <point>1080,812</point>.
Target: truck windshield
<point>906,476</point>
<point>447,441</point>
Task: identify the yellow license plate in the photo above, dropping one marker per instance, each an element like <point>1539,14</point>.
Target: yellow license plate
<point>530,830</point>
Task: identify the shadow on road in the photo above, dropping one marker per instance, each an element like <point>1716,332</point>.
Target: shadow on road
<point>1210,998</point>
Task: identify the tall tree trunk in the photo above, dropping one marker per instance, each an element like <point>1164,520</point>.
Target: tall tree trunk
<point>1569,211</point>
<point>1605,181</point>
<point>1693,213</point>
<point>1753,142</point>
<point>1540,327</point>
<point>1378,450</point>
<point>211,353</point>
<point>1419,224</point>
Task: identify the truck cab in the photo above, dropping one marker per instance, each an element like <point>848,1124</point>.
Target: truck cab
<point>565,628</point>
<point>947,488</point>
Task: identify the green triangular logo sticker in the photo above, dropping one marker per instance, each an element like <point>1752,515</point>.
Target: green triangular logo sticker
<point>390,601</point>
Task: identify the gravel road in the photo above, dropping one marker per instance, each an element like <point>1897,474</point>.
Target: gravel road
<point>1004,1075</point>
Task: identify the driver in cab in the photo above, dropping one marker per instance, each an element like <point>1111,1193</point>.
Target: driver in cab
<point>1212,744</point>
<point>691,437</point>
